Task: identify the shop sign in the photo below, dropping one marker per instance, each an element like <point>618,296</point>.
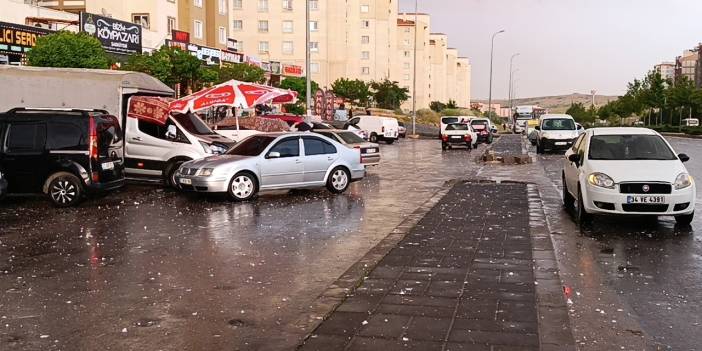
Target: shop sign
<point>180,36</point>
<point>17,39</point>
<point>117,37</point>
<point>232,57</point>
<point>211,56</point>
<point>276,68</point>
<point>292,71</point>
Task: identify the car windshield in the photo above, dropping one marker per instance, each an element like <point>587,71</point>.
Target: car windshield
<point>350,138</point>
<point>629,147</point>
<point>193,124</point>
<point>457,126</point>
<point>449,120</point>
<point>252,146</point>
<point>558,124</point>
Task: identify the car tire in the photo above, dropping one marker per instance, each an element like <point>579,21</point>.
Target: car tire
<point>685,219</point>
<point>582,217</point>
<point>443,147</point>
<point>169,174</point>
<point>242,187</point>
<point>65,189</point>
<point>339,180</point>
<point>475,146</point>
<point>539,149</point>
<point>568,199</point>
<point>373,138</point>
<point>533,143</point>
<point>389,141</point>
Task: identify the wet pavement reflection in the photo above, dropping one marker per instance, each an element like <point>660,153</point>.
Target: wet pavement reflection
<point>148,268</point>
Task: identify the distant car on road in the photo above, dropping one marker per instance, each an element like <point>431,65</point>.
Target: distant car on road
<point>555,132</point>
<point>482,128</point>
<point>370,152</point>
<point>378,128</point>
<point>402,133</point>
<point>627,171</point>
<point>274,161</point>
<point>458,134</point>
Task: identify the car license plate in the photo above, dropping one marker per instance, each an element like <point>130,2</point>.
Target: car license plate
<point>645,199</point>
<point>561,143</point>
<point>108,166</point>
<point>371,151</point>
<point>186,181</point>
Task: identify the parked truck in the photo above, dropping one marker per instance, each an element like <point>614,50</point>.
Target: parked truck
<point>154,147</point>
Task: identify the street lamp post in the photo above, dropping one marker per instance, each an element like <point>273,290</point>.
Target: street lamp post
<point>510,80</point>
<point>308,57</point>
<point>492,49</point>
<point>414,75</point>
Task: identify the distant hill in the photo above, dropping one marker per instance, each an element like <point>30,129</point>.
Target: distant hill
<point>558,103</point>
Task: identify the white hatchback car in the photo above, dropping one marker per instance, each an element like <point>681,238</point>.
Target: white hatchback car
<point>627,171</point>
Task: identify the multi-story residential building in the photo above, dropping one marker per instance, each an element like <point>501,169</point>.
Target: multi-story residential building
<point>686,65</point>
<point>463,80</point>
<point>207,21</point>
<point>404,70</point>
<point>438,56</point>
<point>666,70</point>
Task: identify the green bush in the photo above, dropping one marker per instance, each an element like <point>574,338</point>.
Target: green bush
<point>456,112</point>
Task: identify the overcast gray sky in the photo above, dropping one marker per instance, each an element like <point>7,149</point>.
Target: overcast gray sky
<point>566,46</point>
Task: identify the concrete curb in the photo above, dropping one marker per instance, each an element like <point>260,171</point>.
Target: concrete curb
<point>326,303</point>
<point>682,135</point>
<point>554,322</point>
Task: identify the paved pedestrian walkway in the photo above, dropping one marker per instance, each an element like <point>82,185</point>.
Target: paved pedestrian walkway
<point>461,279</point>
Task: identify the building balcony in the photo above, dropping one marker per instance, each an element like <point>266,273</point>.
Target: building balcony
<point>74,6</point>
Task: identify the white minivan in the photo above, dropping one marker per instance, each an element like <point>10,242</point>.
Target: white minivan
<point>378,128</point>
<point>555,132</point>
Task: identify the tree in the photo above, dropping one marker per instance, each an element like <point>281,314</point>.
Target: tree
<point>66,49</point>
<point>242,72</point>
<point>437,106</point>
<point>580,113</point>
<point>356,91</point>
<point>683,96</point>
<point>388,94</point>
<point>300,86</point>
<point>451,104</point>
<point>172,66</point>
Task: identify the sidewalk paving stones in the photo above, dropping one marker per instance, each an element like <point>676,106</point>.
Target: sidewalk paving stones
<point>461,279</point>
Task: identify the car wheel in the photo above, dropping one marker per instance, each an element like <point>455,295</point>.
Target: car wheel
<point>685,219</point>
<point>533,143</point>
<point>443,147</point>
<point>582,216</point>
<point>339,180</point>
<point>539,149</point>
<point>169,174</point>
<point>568,200</point>
<point>475,146</point>
<point>373,138</point>
<point>242,187</point>
<point>65,190</point>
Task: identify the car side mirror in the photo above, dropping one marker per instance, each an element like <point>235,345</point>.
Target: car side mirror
<point>537,128</point>
<point>171,132</point>
<point>273,154</point>
<point>575,158</point>
<point>683,157</point>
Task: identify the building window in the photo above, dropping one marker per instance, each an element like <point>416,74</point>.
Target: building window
<point>142,19</point>
<point>197,29</point>
<point>314,67</point>
<point>288,26</point>
<point>222,7</point>
<point>197,3</point>
<point>314,5</point>
<point>365,24</point>
<point>263,5</point>
<point>365,39</point>
<point>314,26</point>
<point>171,23</point>
<point>222,35</point>
<point>406,65</point>
<point>406,42</point>
<point>365,70</point>
<point>237,4</point>
<point>365,55</point>
<point>407,53</point>
<point>288,47</point>
<point>263,26</point>
<point>263,47</point>
<point>288,5</point>
<point>237,25</point>
<point>239,46</point>
<point>314,46</point>
<point>406,77</point>
<point>365,8</point>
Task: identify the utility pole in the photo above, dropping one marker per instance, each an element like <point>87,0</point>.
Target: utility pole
<point>307,62</point>
<point>414,75</point>
<point>492,50</point>
<point>510,81</point>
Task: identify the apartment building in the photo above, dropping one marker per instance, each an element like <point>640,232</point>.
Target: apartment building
<point>686,65</point>
<point>666,70</point>
<point>207,21</point>
<point>404,69</point>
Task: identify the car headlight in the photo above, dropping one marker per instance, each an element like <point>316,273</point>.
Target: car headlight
<point>205,172</point>
<point>212,148</point>
<point>600,179</point>
<point>682,181</point>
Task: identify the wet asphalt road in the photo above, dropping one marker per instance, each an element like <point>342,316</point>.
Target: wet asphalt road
<point>653,268</point>
<point>151,269</point>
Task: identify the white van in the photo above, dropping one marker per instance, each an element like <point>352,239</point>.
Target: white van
<point>691,122</point>
<point>378,128</point>
<point>152,151</point>
<point>555,132</point>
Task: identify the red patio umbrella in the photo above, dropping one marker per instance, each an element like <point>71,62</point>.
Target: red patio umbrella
<point>234,94</point>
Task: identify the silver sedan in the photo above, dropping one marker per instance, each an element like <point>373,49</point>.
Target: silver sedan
<point>274,161</point>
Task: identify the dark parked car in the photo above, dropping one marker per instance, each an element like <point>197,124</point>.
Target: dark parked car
<point>65,154</point>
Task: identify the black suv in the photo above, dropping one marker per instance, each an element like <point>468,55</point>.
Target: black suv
<point>65,154</point>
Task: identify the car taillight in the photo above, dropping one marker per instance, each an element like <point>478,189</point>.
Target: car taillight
<point>467,137</point>
<point>93,142</point>
<point>444,137</point>
<point>360,153</point>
